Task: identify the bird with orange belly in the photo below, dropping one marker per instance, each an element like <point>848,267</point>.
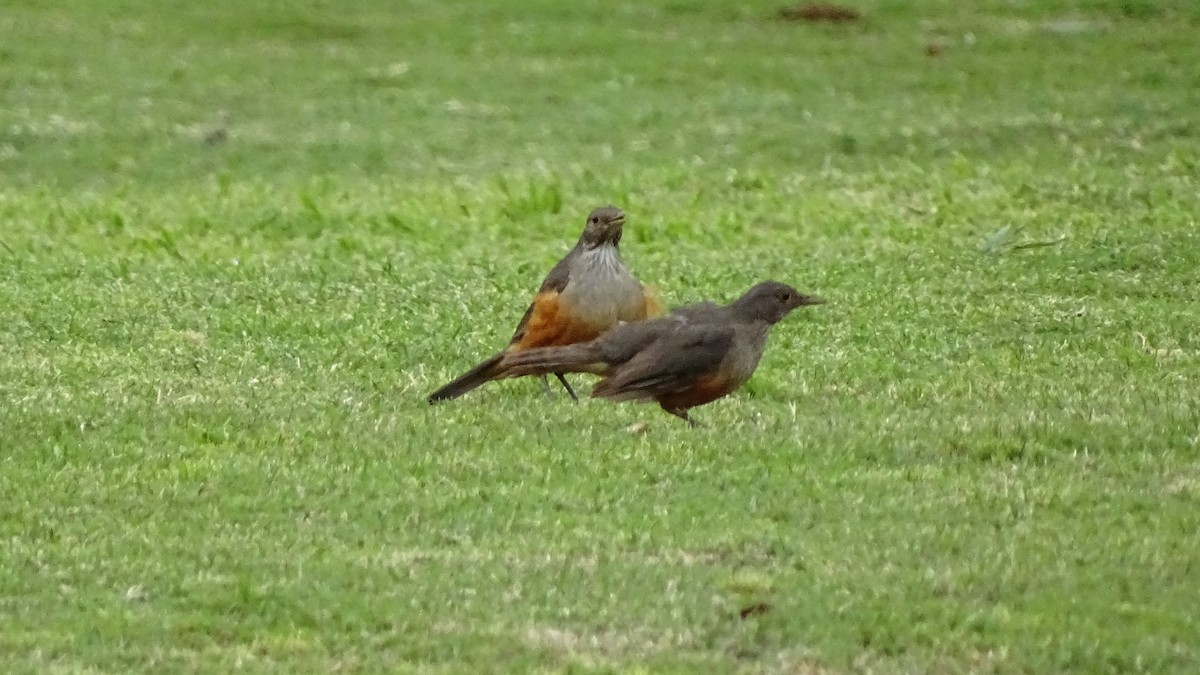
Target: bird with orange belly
<point>691,357</point>
<point>588,292</point>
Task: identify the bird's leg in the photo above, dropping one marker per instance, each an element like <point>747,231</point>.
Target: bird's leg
<point>682,414</point>
<point>566,385</point>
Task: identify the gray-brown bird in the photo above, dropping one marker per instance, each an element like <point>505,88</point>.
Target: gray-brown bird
<point>693,356</point>
<point>588,292</point>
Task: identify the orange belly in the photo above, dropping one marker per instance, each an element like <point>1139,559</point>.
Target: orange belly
<point>706,389</point>
<point>551,326</point>
<point>651,307</point>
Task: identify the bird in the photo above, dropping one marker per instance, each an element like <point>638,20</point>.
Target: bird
<point>587,292</point>
<point>688,358</point>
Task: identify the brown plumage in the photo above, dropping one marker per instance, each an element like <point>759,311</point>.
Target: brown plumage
<point>589,291</point>
<point>693,356</point>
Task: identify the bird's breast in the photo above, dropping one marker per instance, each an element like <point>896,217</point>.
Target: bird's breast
<point>742,360</point>
<point>601,290</point>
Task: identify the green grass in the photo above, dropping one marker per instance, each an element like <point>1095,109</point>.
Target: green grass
<point>981,456</point>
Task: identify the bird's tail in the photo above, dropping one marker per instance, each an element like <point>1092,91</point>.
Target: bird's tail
<point>577,358</point>
<point>488,370</point>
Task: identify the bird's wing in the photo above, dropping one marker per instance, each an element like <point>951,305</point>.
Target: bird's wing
<point>674,362</point>
<point>552,285</point>
<point>700,311</point>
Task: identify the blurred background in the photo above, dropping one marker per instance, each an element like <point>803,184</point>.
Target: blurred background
<point>119,92</point>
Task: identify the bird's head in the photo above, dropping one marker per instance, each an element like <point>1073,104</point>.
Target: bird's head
<point>771,301</point>
<point>603,228</point>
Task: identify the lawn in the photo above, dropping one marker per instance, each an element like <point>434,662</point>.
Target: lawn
<point>240,242</point>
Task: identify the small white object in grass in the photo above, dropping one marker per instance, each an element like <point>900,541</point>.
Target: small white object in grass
<point>638,428</point>
<point>135,593</point>
<point>234,262</point>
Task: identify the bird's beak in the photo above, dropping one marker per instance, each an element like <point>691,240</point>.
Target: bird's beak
<point>802,300</point>
<point>616,226</point>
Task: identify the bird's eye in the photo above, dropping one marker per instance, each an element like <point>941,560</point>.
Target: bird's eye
<point>595,220</point>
